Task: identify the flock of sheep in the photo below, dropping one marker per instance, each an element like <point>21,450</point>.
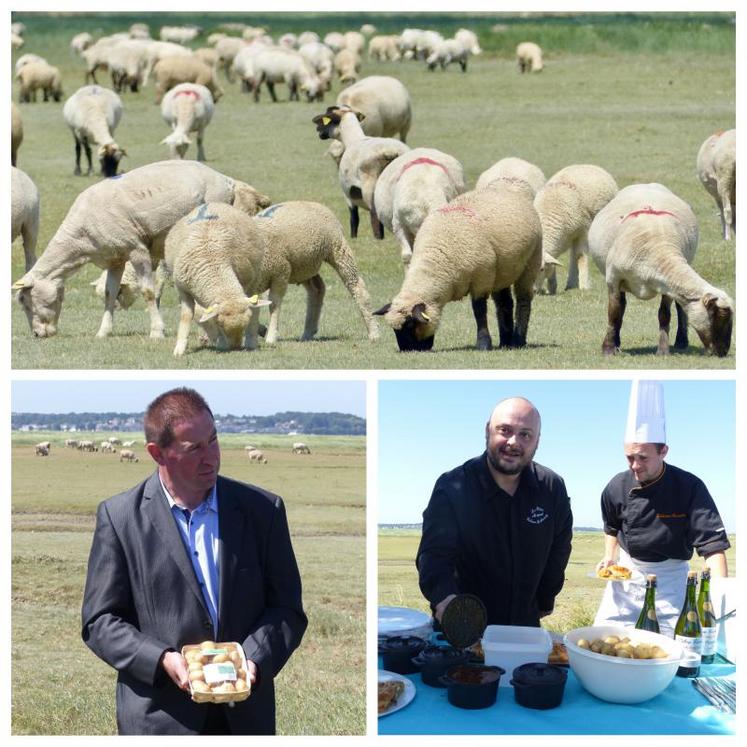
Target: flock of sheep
<point>230,251</point>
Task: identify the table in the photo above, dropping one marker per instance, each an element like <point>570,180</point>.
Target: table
<point>680,709</point>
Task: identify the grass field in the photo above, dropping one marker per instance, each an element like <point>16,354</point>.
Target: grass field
<point>575,606</point>
<point>635,95</point>
<point>53,505</point>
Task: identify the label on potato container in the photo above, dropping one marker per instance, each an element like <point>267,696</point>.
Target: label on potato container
<point>691,650</point>
<point>225,671</point>
<point>213,651</point>
<point>710,644</point>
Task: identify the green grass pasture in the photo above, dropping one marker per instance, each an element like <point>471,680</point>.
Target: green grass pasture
<point>635,95</point>
<point>575,606</point>
<point>53,513</point>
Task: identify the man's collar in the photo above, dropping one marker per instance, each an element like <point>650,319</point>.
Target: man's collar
<point>650,483</point>
<point>210,503</point>
<point>490,486</point>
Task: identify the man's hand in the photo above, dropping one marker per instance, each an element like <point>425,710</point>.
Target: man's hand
<point>251,672</point>
<point>176,667</point>
<point>605,562</point>
<point>441,606</point>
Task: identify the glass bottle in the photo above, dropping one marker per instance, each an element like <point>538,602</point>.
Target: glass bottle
<point>687,631</point>
<point>708,622</point>
<point>647,619</point>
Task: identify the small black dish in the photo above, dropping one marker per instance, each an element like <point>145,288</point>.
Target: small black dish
<point>464,620</point>
<point>399,651</point>
<point>539,685</point>
<point>433,661</point>
<point>472,686</point>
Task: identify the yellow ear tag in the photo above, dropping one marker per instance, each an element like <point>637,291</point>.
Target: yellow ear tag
<point>326,121</point>
<point>253,300</point>
<point>426,317</point>
<point>210,310</point>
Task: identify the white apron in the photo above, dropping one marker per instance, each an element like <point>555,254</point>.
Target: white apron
<point>623,600</point>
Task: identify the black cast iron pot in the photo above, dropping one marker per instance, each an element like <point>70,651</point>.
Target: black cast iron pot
<point>539,685</point>
<point>398,652</point>
<point>433,661</point>
<point>472,685</point>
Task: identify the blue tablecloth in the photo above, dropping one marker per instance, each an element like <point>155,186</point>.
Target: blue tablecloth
<point>680,709</point>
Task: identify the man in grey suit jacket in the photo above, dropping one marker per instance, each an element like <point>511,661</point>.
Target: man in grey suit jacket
<point>183,557</point>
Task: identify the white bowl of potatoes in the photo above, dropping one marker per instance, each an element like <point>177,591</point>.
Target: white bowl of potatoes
<point>620,664</point>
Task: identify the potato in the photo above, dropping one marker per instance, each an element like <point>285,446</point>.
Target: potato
<point>235,657</point>
<point>207,645</point>
<point>612,639</point>
<point>200,687</point>
<point>657,652</point>
<point>241,672</point>
<point>220,658</point>
<point>596,645</point>
<point>623,653</point>
<point>225,687</point>
<point>582,643</point>
<point>643,651</point>
<point>195,666</point>
<point>241,686</point>
<point>197,675</point>
<point>607,649</point>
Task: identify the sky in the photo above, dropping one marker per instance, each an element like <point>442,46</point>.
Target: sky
<point>427,428</point>
<point>234,397</point>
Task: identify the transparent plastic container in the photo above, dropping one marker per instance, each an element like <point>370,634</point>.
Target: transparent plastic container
<point>510,646</point>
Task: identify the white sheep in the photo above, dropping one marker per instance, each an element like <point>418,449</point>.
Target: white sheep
<point>567,204</point>
<point>287,66</point>
<point>321,59</point>
<point>360,165</point>
<point>335,41</point>
<point>16,41</point>
<point>256,455</point>
<point>288,40</point>
<point>529,57</point>
<point>305,37</point>
<point>119,219</point>
<point>92,113</point>
<point>41,449</point>
<point>127,455</point>
<point>717,171</point>
<point>384,48</point>
<point>71,443</point>
<point>18,28</point>
<point>413,185</point>
<point>106,447</point>
<point>367,29</point>
<point>187,108</point>
<point>215,37</point>
<point>114,440</point>
<point>96,56</point>
<point>26,59</point>
<point>139,31</point>
<point>513,168</point>
<point>226,50</point>
<point>24,213</point>
<point>129,286</point>
<point>385,104</point>
<point>355,42</point>
<point>160,50</point>
<point>16,133</point>
<point>447,51</point>
<point>170,71</point>
<point>213,254</point>
<point>482,243</point>
<point>347,65</point>
<point>80,42</point>
<point>469,40</point>
<point>128,444</point>
<point>299,236</point>
<point>644,242</point>
<point>179,34</point>
<point>127,62</point>
<point>301,448</point>
<point>39,75</point>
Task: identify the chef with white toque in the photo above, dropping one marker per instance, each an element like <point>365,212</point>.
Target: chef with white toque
<point>654,515</point>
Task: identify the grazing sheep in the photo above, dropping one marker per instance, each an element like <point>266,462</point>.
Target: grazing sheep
<point>24,213</point>
<point>97,55</point>
<point>92,113</point>
<point>289,41</point>
<point>321,59</point>
<point>644,242</point>
<point>39,75</point>
<point>367,29</point>
<point>214,38</point>
<point>481,244</point>
<point>26,59</point>
<point>717,171</point>
<point>305,37</point>
<point>214,253</point>
<point>226,50</point>
<point>243,64</point>
<point>18,28</point>
<point>107,447</point>
<point>81,42</point>
<point>408,40</point>
<point>385,105</point>
<point>139,31</point>
<point>87,446</point>
<point>469,41</point>
<point>119,219</point>
<point>16,41</point>
<point>160,50</point>
<point>41,450</point>
<point>384,48</point>
<point>170,71</point>
<point>566,205</point>
<point>127,455</point>
<point>287,66</point>
<point>255,455</point>
<point>71,443</point>
<point>513,168</point>
<point>187,108</point>
<point>355,42</point>
<point>529,57</point>
<point>179,34</point>
<point>446,52</point>
<point>299,236</point>
<point>361,163</point>
<point>301,448</point>
<point>114,440</point>
<point>412,186</point>
<point>347,66</point>
<point>127,62</point>
<point>16,133</point>
<point>335,41</point>
<point>128,444</point>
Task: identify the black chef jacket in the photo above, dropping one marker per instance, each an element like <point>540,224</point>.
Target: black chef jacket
<point>510,551</point>
<point>664,519</point>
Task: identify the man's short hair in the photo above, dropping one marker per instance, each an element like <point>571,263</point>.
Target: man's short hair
<point>168,409</point>
<point>659,447</point>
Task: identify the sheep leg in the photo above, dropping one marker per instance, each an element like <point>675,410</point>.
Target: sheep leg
<point>480,312</point>
<point>615,312</point>
<point>271,89</point>
<point>251,341</point>
<point>524,295</point>
<point>580,253</point>
<point>726,214</point>
<point>200,148</point>
<point>680,341</point>
<point>29,235</point>
<point>573,266</point>
<point>141,262</point>
<point>77,171</point>
<point>277,293</point>
<point>257,86</point>
<point>405,242</point>
<point>504,311</point>
<point>185,322</point>
<point>113,278</point>
<point>354,221</point>
<point>665,317</point>
<point>314,298</point>
<point>88,157</point>
<point>552,278</point>
<point>376,225</point>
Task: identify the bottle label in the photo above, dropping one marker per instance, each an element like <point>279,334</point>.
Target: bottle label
<point>692,616</point>
<point>707,607</point>
<point>710,643</point>
<point>651,615</point>
<point>691,650</point>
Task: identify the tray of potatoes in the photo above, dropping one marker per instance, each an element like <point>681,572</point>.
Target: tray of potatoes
<point>217,672</point>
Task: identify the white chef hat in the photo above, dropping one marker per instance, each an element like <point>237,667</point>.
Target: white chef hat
<point>646,424</point>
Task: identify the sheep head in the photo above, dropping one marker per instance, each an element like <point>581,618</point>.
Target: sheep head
<point>232,318</point>
<point>712,316</point>
<point>42,301</point>
<point>109,157</point>
<point>249,200</point>
<point>414,324</point>
<point>328,124</point>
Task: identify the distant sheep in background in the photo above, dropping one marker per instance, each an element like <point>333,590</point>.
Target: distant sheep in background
<point>255,455</point>
<point>187,108</point>
<point>301,448</point>
<point>16,133</point>
<point>529,57</point>
<point>39,76</point>
<point>717,171</point>
<point>24,213</point>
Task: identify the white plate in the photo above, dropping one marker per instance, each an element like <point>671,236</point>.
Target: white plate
<point>402,620</point>
<point>407,695</point>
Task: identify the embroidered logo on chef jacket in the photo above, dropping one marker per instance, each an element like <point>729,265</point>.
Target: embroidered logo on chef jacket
<point>537,515</point>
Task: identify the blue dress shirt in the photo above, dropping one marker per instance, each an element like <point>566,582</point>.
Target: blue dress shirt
<point>200,534</point>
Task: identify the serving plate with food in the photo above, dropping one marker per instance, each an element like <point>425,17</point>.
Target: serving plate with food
<point>615,573</point>
<point>395,692</point>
